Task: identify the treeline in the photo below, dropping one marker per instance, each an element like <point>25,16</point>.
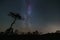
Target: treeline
<point>29,36</point>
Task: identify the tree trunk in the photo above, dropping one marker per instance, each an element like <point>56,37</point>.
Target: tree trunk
<point>10,30</point>
<point>13,23</point>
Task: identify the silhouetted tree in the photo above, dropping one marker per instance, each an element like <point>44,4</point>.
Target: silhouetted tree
<point>35,33</point>
<point>57,31</point>
<point>16,17</point>
<point>29,33</point>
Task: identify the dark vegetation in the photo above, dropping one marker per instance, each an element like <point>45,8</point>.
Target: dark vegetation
<point>10,35</point>
<point>29,36</point>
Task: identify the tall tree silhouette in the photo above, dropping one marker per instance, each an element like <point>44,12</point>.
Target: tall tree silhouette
<point>16,16</point>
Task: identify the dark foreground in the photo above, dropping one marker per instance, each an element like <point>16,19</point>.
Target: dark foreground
<point>29,36</point>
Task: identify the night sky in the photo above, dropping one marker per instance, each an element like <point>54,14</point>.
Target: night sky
<point>45,15</point>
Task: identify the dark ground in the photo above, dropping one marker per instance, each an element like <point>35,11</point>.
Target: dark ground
<point>29,36</point>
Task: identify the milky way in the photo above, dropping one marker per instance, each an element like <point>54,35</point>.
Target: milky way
<point>27,16</point>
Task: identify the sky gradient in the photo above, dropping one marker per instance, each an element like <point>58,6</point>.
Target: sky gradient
<point>45,15</point>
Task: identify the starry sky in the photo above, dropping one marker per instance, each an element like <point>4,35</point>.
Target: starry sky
<point>45,15</point>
